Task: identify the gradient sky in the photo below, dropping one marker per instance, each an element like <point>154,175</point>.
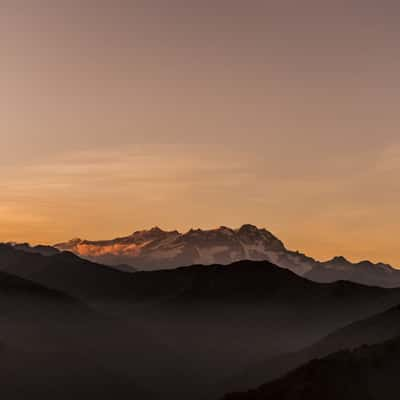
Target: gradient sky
<point>120,115</point>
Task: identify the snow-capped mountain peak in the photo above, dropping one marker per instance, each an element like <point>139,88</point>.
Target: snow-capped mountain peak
<point>157,249</point>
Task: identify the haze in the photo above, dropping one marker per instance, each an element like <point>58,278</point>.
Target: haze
<point>121,115</point>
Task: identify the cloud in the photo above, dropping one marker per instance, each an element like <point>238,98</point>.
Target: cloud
<point>13,214</point>
<point>149,165</point>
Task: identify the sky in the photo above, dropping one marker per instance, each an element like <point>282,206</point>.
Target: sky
<point>121,115</point>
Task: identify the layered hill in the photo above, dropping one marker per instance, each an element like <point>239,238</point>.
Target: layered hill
<point>176,331</point>
<point>368,372</point>
<point>21,298</point>
<point>376,329</point>
<point>242,303</point>
<point>40,249</point>
<point>243,281</point>
<point>365,272</point>
<point>53,345</point>
<point>66,272</point>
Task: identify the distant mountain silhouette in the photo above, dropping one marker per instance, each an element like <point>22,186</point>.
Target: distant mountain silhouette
<point>23,297</point>
<point>124,268</point>
<point>53,346</point>
<point>366,373</point>
<point>177,332</point>
<point>363,272</point>
<point>241,282</point>
<point>43,250</point>
<point>155,249</point>
<point>65,272</point>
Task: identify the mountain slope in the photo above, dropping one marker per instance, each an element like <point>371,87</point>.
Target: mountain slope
<point>181,331</point>
<point>65,272</point>
<point>155,249</point>
<point>158,249</point>
<point>43,250</point>
<point>363,272</point>
<point>54,346</point>
<point>21,298</point>
<point>369,372</point>
<point>376,329</point>
<point>244,282</point>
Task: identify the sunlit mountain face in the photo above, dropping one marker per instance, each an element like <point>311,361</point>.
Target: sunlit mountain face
<point>157,249</point>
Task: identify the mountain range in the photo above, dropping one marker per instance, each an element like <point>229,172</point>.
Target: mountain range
<point>174,333</point>
<point>158,249</point>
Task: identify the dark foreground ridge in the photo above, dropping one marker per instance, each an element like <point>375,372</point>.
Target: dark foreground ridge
<point>178,334</point>
<point>369,372</point>
<point>376,329</point>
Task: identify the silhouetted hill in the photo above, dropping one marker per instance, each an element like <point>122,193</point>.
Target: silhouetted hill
<point>244,281</point>
<point>124,268</point>
<point>23,298</point>
<point>181,331</point>
<point>249,282</point>
<point>65,272</point>
<point>15,284</point>
<point>43,250</point>
<point>364,272</point>
<point>369,372</point>
<point>379,328</point>
<point>54,346</point>
<point>272,289</point>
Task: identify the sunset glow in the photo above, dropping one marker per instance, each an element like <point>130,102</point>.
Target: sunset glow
<point>282,114</point>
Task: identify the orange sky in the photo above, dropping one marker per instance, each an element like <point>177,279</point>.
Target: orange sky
<point>117,116</point>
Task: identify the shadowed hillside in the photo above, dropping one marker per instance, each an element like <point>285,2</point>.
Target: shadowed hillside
<point>372,330</point>
<point>369,372</point>
<point>183,331</point>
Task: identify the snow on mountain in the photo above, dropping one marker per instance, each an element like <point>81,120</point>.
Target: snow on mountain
<point>158,249</point>
<point>155,248</point>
